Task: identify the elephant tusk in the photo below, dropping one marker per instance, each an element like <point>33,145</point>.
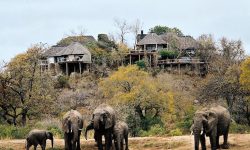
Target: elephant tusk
<point>191,133</point>
<point>201,132</point>
<point>80,129</point>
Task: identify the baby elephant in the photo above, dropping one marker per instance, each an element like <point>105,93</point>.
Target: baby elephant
<point>120,133</point>
<point>36,137</point>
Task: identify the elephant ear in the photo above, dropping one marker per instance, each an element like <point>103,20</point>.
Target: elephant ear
<point>212,120</point>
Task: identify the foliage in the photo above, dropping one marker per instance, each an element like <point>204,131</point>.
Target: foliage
<point>22,86</point>
<point>239,128</point>
<point>164,29</point>
<point>62,82</point>
<point>168,54</point>
<point>105,43</point>
<point>186,122</point>
<point>79,38</point>
<point>136,89</point>
<point>245,74</point>
<point>175,132</point>
<point>12,132</point>
<point>141,64</point>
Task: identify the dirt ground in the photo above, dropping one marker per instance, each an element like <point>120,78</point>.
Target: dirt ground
<point>237,142</point>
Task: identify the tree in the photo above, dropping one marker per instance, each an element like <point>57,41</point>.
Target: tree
<point>123,28</point>
<point>223,84</point>
<point>134,88</point>
<point>159,29</point>
<point>25,91</point>
<point>245,74</point>
<point>135,28</point>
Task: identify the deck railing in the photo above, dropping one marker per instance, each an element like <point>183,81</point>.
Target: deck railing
<point>180,61</point>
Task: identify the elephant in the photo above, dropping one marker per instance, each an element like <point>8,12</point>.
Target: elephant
<point>103,122</point>
<point>120,133</point>
<point>72,125</point>
<point>38,137</point>
<point>212,122</point>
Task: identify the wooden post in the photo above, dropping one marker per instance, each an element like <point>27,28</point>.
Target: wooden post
<point>139,56</point>
<point>80,67</point>
<point>130,59</point>
<point>179,68</point>
<point>150,60</point>
<point>67,69</point>
<point>156,47</point>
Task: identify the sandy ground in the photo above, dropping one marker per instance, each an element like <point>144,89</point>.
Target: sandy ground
<point>237,142</point>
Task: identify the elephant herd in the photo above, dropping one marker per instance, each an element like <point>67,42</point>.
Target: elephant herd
<point>212,122</point>
<point>103,123</point>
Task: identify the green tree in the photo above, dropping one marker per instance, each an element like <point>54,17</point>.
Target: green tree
<point>159,29</point>
<point>25,91</point>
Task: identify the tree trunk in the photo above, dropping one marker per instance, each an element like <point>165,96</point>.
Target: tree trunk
<point>24,116</point>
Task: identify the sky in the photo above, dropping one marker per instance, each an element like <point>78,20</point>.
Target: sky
<point>27,22</point>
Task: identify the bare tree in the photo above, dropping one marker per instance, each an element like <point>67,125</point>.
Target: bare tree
<point>135,29</point>
<point>123,28</point>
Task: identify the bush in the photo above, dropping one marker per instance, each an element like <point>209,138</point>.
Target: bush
<point>186,122</point>
<point>168,54</point>
<point>238,128</point>
<point>62,82</point>
<point>141,64</point>
<point>12,132</point>
<point>57,132</point>
<point>175,132</point>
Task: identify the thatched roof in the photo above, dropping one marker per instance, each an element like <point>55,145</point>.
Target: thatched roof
<point>151,38</point>
<point>52,51</point>
<point>74,48</point>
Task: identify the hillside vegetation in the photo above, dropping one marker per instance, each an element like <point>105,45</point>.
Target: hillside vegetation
<point>152,101</point>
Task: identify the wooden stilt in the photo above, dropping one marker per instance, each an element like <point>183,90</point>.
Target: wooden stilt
<point>130,59</point>
<point>80,67</point>
<point>67,69</point>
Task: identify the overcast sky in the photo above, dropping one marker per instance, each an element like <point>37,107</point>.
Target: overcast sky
<point>25,22</point>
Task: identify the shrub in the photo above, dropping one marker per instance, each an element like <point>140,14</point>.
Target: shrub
<point>175,132</point>
<point>238,128</point>
<point>141,64</point>
<point>186,122</point>
<point>12,132</point>
<point>62,82</point>
<point>168,54</point>
<point>57,132</point>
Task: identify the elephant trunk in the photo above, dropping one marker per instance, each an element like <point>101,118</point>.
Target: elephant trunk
<point>89,127</point>
<point>196,141</point>
<point>52,142</point>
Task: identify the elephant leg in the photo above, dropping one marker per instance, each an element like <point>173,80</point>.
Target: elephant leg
<point>225,143</point>
<point>74,145</point>
<point>43,145</point>
<point>203,142</point>
<point>108,140</point>
<point>28,145</point>
<point>213,142</point>
<point>78,142</point>
<point>99,141</point>
<point>126,142</point>
<point>66,141</point>
<point>35,146</point>
<point>217,141</point>
<point>122,143</point>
